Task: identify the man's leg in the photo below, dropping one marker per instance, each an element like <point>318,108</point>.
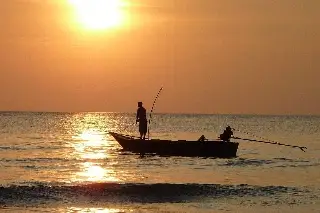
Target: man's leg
<point>144,136</point>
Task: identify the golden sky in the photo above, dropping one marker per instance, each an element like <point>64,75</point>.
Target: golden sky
<point>211,56</point>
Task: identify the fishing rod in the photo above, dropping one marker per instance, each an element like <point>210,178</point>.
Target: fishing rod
<point>269,142</point>
<point>154,102</point>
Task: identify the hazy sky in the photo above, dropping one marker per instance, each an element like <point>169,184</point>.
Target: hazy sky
<point>211,56</point>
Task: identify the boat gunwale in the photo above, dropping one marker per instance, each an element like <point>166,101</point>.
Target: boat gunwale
<point>136,139</point>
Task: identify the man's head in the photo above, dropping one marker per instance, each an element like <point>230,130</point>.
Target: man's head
<point>139,104</point>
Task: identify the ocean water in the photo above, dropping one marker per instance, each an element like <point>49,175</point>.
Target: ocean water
<point>67,162</point>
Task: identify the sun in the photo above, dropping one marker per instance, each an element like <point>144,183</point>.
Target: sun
<point>98,14</point>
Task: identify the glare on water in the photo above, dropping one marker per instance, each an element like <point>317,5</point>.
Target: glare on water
<point>91,148</point>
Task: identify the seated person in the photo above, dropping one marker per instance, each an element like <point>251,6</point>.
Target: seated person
<point>202,138</point>
<point>227,134</point>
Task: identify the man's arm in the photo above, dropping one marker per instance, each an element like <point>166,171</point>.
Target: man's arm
<point>137,117</point>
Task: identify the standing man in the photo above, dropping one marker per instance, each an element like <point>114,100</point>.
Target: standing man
<point>142,119</point>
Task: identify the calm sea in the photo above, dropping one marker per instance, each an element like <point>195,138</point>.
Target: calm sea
<point>66,162</point>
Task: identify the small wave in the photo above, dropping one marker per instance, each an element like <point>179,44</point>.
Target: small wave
<point>246,162</point>
<point>15,148</point>
<point>292,160</point>
<point>28,147</point>
<point>130,192</point>
<point>315,164</point>
<point>44,159</point>
<point>294,163</point>
<point>275,162</point>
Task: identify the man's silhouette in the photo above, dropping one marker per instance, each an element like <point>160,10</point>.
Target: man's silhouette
<point>142,119</point>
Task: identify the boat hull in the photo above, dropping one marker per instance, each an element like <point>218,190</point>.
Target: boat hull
<point>218,149</point>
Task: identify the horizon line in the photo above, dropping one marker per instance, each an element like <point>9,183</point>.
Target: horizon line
<point>173,113</point>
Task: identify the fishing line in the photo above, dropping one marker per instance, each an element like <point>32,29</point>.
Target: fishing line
<point>153,105</point>
<point>252,135</point>
<point>264,140</point>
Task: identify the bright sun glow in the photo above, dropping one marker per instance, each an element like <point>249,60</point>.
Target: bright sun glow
<point>96,173</point>
<point>99,14</point>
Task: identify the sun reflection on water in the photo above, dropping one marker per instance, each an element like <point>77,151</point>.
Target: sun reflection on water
<point>96,173</point>
<point>91,145</point>
<point>92,148</point>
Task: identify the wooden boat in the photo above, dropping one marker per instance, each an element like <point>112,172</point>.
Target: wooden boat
<point>218,148</point>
